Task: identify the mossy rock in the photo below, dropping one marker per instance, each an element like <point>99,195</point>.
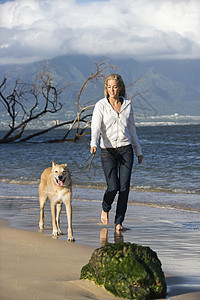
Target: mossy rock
<point>127,270</point>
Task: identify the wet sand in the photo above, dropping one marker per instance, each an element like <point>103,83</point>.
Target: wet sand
<point>36,266</point>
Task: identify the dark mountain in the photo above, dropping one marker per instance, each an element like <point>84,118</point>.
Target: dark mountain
<point>167,87</point>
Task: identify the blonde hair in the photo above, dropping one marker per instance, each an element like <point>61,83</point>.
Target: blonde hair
<point>120,82</point>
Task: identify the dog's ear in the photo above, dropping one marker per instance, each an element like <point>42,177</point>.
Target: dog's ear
<point>53,163</point>
<point>65,165</point>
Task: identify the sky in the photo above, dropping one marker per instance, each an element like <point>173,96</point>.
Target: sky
<point>32,30</point>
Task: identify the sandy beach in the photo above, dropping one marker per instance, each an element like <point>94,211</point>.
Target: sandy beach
<point>35,265</point>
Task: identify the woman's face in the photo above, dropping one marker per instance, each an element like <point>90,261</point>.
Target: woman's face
<point>113,88</point>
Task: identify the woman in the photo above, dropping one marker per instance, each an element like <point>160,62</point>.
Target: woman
<point>113,120</point>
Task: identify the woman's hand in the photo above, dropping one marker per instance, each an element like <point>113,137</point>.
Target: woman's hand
<point>93,150</point>
<point>140,157</point>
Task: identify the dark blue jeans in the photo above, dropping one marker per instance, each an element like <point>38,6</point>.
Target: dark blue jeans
<point>117,166</point>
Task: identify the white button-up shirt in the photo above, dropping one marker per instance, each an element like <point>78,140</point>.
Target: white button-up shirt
<point>116,130</point>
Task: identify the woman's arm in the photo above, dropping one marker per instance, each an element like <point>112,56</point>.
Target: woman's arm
<point>134,137</point>
<point>96,126</point>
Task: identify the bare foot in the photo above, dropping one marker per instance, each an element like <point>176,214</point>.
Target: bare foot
<point>119,227</point>
<point>104,217</point>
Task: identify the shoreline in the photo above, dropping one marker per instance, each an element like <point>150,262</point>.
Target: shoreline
<point>36,266</point>
<point>188,202</point>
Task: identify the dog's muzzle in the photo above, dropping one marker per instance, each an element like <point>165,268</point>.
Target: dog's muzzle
<point>60,181</point>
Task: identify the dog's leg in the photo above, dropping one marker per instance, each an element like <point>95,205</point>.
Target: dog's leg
<point>58,210</point>
<point>53,213</point>
<point>42,200</point>
<point>69,218</point>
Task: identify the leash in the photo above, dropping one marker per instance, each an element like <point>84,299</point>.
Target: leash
<point>84,162</point>
<point>91,161</point>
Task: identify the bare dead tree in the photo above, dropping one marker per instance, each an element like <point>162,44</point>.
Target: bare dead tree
<point>28,102</point>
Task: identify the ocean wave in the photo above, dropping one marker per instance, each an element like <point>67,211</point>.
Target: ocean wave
<point>101,186</point>
<point>18,197</point>
<point>20,181</point>
<point>149,188</point>
<point>140,188</point>
<point>184,208</point>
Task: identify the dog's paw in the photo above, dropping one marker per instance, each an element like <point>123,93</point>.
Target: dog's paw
<point>71,239</point>
<point>41,226</point>
<point>55,233</point>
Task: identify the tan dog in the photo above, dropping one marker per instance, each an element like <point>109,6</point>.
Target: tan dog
<point>56,185</point>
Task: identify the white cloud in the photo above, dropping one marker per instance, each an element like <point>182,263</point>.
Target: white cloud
<point>144,29</point>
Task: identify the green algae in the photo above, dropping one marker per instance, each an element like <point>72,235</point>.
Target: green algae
<point>127,270</point>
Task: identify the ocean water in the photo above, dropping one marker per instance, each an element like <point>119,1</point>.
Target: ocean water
<point>171,165</point>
